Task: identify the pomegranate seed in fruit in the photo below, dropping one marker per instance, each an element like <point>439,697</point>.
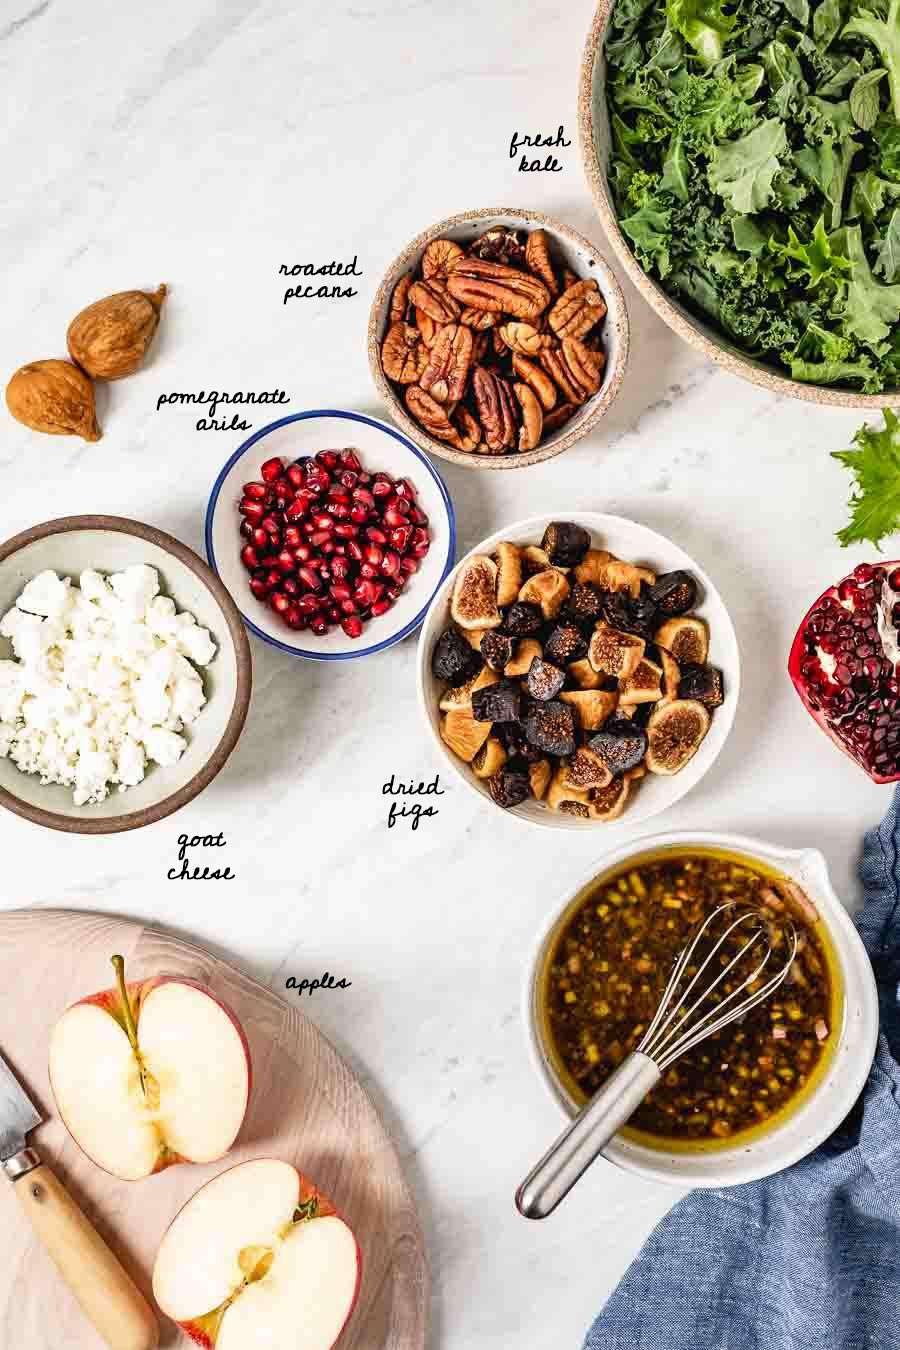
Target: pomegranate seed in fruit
<point>381,607</point>
<point>377,536</point>
<point>390,564</point>
<point>404,488</point>
<point>339,591</point>
<point>418,517</point>
<point>272,469</point>
<point>382,486</point>
<point>259,588</point>
<point>310,578</point>
<point>353,548</point>
<point>255,491</point>
<point>279,601</point>
<point>291,587</point>
<point>340,569</point>
<point>286,560</point>
<point>336,493</point>
<point>894,579</point>
<point>322,521</point>
<point>359,513</point>
<point>393,518</point>
<point>409,565</point>
<point>330,458</point>
<point>368,570</point>
<point>319,625</point>
<point>395,503</point>
<point>352,625</point>
<point>351,460</point>
<point>252,510</point>
<point>400,538</point>
<point>420,542</point>
<point>249,557</point>
<point>345,530</point>
<point>295,475</point>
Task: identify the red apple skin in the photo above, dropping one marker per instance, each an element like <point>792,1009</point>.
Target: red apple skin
<point>110,1001</point>
<point>200,1333</point>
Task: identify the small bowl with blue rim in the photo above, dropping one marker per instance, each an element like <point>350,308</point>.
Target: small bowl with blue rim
<point>381,449</point>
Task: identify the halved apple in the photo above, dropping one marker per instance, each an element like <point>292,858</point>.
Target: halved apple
<point>150,1074</point>
<point>258,1258</point>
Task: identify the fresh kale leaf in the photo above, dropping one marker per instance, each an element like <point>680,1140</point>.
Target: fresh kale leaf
<point>888,260</point>
<point>871,309</point>
<point>875,464</point>
<point>703,24</point>
<point>884,34</point>
<point>742,171</point>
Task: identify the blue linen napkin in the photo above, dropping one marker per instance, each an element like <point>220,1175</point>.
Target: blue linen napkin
<point>808,1259</point>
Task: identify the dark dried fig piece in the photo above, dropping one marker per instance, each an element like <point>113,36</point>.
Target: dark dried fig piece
<point>544,680</point>
<point>512,734</point>
<point>585,603</point>
<point>497,650</point>
<point>499,702</point>
<point>564,543</point>
<point>509,787</point>
<point>674,593</point>
<point>453,659</point>
<point>566,643</point>
<point>523,619</point>
<point>551,727</point>
<point>703,683</point>
<point>620,744</point>
<point>632,615</point>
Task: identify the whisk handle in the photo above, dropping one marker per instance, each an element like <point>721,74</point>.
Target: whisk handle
<point>587,1136</point>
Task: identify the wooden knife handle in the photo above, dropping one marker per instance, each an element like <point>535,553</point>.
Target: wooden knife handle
<point>107,1295</point>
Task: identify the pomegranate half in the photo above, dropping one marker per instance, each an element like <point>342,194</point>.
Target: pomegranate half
<point>843,664</point>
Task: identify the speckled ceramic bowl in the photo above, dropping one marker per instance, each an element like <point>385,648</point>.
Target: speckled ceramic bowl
<point>577,253</point>
<point>593,127</point>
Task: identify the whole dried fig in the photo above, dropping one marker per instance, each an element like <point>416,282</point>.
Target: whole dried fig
<point>55,397</point>
<point>110,338</point>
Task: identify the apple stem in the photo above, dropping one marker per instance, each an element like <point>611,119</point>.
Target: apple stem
<point>130,1024</point>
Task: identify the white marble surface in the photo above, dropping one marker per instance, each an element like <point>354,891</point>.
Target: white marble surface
<point>204,142</point>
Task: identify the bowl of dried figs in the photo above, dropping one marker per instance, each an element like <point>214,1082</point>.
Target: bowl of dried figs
<point>578,670</point>
<point>498,338</point>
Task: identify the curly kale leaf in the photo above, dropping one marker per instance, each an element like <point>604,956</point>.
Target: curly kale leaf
<point>703,24</point>
<point>875,464</point>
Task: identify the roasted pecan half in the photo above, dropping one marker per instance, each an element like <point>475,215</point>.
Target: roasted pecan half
<point>500,245</point>
<point>567,278</point>
<point>479,319</point>
<point>584,366</point>
<point>432,298</point>
<point>400,300</point>
<point>531,374</point>
<point>559,372</point>
<point>480,349</point>
<point>498,288</point>
<point>524,338</point>
<point>495,410</point>
<point>431,415</point>
<point>427,327</point>
<point>498,342</point>
<point>538,261</point>
<point>532,427</point>
<point>559,417</point>
<point>469,429</point>
<point>403,354</point>
<point>445,375</point>
<point>577,309</point>
<point>439,258</point>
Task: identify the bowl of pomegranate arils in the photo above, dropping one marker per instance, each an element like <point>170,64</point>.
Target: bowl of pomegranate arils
<point>332,532</point>
<point>577,670</point>
<point>843,664</point>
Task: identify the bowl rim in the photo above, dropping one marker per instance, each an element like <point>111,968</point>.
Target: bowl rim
<point>148,815</point>
<point>549,819</point>
<point>305,653</point>
<point>767,377</point>
<point>601,401</point>
<point>850,1076</point>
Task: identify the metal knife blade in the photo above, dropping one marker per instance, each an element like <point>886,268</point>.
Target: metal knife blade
<point>18,1113</point>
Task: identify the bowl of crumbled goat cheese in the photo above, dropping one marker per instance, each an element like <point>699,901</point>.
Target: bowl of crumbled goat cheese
<point>125,674</point>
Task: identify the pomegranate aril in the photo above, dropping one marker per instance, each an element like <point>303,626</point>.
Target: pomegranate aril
<point>297,508</point>
<point>249,557</point>
<point>272,469</point>
<point>291,586</point>
<point>400,538</point>
<point>310,578</point>
<point>339,510</point>
<point>334,613</point>
<point>404,488</point>
<point>894,579</point>
<point>330,458</point>
<point>352,625</point>
<point>317,480</point>
<point>292,536</point>
<point>303,553</point>
<point>259,588</point>
<point>319,537</point>
<point>418,517</point>
<point>390,564</point>
<point>376,535</point>
<point>340,568</point>
<point>328,547</point>
<point>339,591</point>
<point>255,491</point>
<point>364,593</point>
<point>322,521</point>
<point>273,578</point>
<point>247,527</point>
<point>409,565</point>
<point>348,606</point>
<point>364,497</point>
<point>294,619</point>
<point>260,538</point>
<point>359,513</point>
<point>309,604</point>
<point>395,503</point>
<point>354,549</point>
<point>295,475</point>
<point>351,460</point>
<point>348,479</point>
<point>393,519</point>
<point>382,486</point>
<point>286,561</point>
<point>381,607</point>
<point>319,625</point>
<point>345,530</point>
<point>270,524</point>
<point>393,593</point>
<point>252,510</point>
<point>279,601</point>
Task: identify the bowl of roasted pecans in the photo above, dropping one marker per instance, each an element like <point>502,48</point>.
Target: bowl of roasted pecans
<point>498,338</point>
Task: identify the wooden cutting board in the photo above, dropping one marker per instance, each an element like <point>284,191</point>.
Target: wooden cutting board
<point>306,1107</point>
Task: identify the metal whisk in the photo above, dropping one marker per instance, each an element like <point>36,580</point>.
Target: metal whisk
<point>677,1027</point>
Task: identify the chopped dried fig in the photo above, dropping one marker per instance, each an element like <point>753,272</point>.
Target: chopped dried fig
<point>400,305</point>
<point>532,427</point>
<point>524,654</point>
<point>557,419</point>
<point>674,734</point>
<point>475,637</point>
<point>534,559</point>
<point>523,619</point>
<point>404,355</point>
<point>433,299</point>
<point>523,338</point>
<point>593,566</point>
<point>430,415</point>
<point>110,338</point>
<point>615,653</point>
<point>687,640</point>
<point>463,734</point>
<point>478,284</point>
<point>544,681</point>
<point>586,770</point>
<point>474,600</point>
<point>538,261</point>
<point>447,368</point>
<point>539,775</point>
<point>500,702</point>
<point>560,796</point>
<point>453,659</point>
<point>490,758</point>
<point>566,643</point>
<point>461,696</point>
<point>621,745</point>
<point>671,674</point>
<point>578,309</point>
<point>439,259</point>
<point>509,787</point>
<point>509,572</point>
<point>565,544</point>
<point>585,603</point>
<point>643,686</point>
<point>550,727</point>
<point>674,593</point>
<point>703,683</point>
<point>593,706</point>
<point>494,405</point>
<point>608,803</point>
<point>537,379</point>
<point>54,397</point>
<point>497,649</point>
<point>630,613</point>
<point>584,675</point>
<point>548,589</point>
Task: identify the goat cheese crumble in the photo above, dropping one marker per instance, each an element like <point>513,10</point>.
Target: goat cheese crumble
<point>103,680</point>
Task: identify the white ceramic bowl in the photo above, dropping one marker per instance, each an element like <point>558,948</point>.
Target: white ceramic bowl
<point>635,544</point>
<point>825,1106</point>
<point>108,543</point>
<point>380,447</point>
<point>572,249</point>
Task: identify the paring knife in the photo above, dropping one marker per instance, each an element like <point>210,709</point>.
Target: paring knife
<point>107,1295</point>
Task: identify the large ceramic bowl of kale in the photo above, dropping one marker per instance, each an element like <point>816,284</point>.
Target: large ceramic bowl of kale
<point>745,161</point>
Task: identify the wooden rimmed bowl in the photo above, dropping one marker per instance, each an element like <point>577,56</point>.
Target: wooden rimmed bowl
<point>573,250</point>
<point>594,134</point>
<point>72,544</point>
